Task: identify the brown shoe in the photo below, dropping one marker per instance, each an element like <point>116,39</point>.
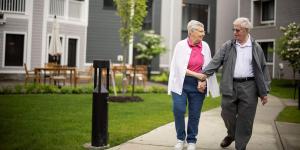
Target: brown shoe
<point>226,141</point>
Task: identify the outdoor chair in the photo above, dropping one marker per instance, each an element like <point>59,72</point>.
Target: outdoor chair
<point>85,75</point>
<point>140,74</point>
<point>29,75</point>
<point>58,76</point>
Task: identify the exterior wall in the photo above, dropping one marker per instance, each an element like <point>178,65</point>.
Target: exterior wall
<point>36,25</point>
<point>13,25</point>
<point>103,40</point>
<point>286,11</point>
<point>227,12</point>
<point>170,28</point>
<point>37,34</point>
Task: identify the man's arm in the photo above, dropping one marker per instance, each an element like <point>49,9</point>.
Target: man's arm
<point>217,61</point>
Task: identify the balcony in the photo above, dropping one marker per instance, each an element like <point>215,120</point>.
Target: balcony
<point>13,6</point>
<point>68,9</point>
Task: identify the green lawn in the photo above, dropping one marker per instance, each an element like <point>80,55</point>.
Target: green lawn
<point>63,122</point>
<point>289,114</point>
<point>283,89</point>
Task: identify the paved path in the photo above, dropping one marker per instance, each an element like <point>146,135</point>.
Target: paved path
<point>212,131</point>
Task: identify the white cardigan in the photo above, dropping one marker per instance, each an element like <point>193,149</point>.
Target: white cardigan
<point>179,65</point>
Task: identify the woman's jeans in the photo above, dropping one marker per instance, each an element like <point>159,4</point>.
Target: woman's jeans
<point>195,100</point>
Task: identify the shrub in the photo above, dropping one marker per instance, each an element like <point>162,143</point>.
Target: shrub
<point>158,89</point>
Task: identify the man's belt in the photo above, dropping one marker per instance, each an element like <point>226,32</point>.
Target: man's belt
<point>243,79</point>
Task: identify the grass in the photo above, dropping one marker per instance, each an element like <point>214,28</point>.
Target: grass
<point>283,89</point>
<point>62,122</point>
<point>289,114</point>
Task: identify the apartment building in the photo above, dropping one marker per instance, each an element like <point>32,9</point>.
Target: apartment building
<point>25,32</point>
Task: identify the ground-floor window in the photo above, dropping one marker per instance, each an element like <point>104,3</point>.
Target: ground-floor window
<point>268,48</point>
<point>14,49</point>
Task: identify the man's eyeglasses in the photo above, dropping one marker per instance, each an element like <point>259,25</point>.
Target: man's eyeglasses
<point>236,30</point>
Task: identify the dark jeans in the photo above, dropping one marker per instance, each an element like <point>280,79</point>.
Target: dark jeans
<point>195,100</point>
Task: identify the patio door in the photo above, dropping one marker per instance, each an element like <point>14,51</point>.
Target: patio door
<point>14,50</point>
<point>72,48</point>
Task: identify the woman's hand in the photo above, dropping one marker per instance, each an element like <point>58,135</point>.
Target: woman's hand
<point>201,86</point>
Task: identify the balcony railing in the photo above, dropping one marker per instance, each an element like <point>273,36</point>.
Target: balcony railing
<point>13,6</point>
<point>57,7</point>
<point>75,9</point>
<point>67,8</point>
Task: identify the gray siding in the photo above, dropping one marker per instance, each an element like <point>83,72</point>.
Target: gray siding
<point>37,30</point>
<point>12,25</point>
<point>103,33</point>
<point>226,14</point>
<point>287,11</point>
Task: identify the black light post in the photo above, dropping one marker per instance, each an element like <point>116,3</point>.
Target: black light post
<point>100,107</point>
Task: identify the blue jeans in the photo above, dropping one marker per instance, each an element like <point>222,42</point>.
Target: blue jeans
<point>195,100</point>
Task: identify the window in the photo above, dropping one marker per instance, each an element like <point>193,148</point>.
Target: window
<point>109,4</point>
<point>268,48</point>
<point>147,24</point>
<point>263,12</point>
<point>267,13</point>
<point>14,49</point>
<point>197,12</point>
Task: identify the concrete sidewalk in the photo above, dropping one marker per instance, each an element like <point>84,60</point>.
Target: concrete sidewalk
<point>212,130</point>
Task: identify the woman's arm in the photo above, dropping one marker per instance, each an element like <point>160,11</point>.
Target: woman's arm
<point>197,75</point>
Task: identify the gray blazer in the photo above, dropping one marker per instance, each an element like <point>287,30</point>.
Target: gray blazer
<point>226,56</point>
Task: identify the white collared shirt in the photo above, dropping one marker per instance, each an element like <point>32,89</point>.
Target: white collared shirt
<point>243,65</point>
<point>179,65</point>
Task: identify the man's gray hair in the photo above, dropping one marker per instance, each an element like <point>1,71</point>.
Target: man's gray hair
<point>191,26</point>
<point>243,22</point>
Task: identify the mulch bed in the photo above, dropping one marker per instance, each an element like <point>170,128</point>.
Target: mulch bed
<point>123,99</point>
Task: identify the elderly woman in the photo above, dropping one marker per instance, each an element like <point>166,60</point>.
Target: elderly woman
<point>187,85</point>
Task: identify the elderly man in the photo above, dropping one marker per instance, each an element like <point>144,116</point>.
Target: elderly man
<point>190,56</point>
<point>245,77</point>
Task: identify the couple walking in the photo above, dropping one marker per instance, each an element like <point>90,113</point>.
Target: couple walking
<point>245,77</point>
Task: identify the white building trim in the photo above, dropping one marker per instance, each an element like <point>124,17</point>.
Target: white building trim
<point>29,10</point>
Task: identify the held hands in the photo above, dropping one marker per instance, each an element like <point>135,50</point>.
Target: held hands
<point>201,86</point>
<point>264,99</point>
<point>201,76</point>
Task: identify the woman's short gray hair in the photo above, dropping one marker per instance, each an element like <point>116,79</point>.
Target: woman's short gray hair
<point>191,26</point>
<point>243,22</point>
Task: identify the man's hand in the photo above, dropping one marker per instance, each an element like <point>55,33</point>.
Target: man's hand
<point>264,99</point>
<point>201,86</point>
<point>201,76</point>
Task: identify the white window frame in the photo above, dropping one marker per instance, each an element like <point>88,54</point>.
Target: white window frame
<point>269,21</point>
<point>24,46</point>
<point>48,46</point>
<point>77,49</point>
<point>273,22</point>
<point>274,54</point>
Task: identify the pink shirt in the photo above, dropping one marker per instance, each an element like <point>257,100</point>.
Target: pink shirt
<point>196,58</point>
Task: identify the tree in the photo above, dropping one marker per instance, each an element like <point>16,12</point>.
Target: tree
<point>289,46</point>
<point>149,47</point>
<point>132,14</point>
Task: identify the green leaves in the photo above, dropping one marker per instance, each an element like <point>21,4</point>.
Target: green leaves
<point>288,45</point>
<point>132,14</point>
<point>149,46</point>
